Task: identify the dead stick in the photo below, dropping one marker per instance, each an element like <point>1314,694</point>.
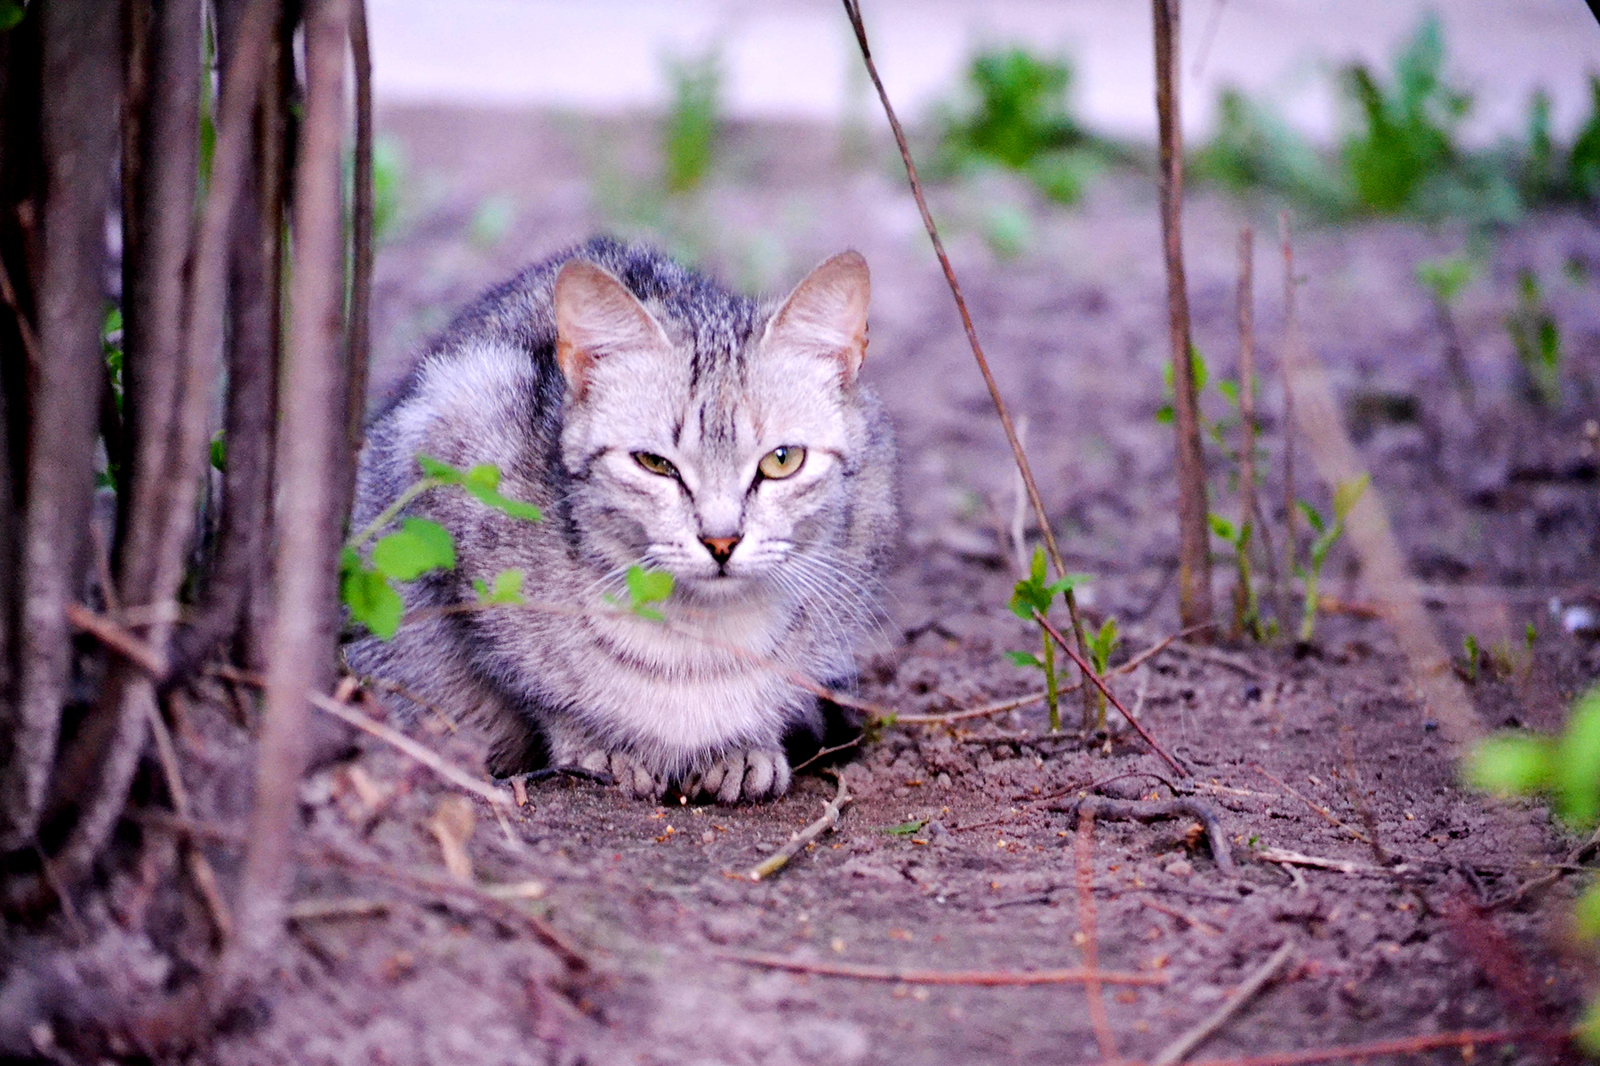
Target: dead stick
<point>1321,811</point>
<point>1244,595</point>
<point>1406,1045</point>
<point>1291,328</point>
<point>984,978</point>
<point>406,746</point>
<point>1194,533</point>
<point>1150,811</point>
<point>1174,1052</point>
<point>118,639</point>
<point>1089,673</point>
<point>1093,990</point>
<point>830,818</point>
<point>205,877</point>
<point>852,10</point>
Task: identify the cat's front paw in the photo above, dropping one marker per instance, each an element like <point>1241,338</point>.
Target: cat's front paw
<point>751,774</point>
<point>631,775</point>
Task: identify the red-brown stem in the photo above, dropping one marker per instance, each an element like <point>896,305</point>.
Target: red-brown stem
<point>1405,1045</point>
<point>1291,327</point>
<point>1095,680</point>
<point>1194,546</point>
<point>1243,595</point>
<point>853,12</point>
<point>1084,852</point>
<point>986,978</point>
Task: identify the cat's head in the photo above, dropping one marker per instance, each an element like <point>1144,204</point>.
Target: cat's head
<point>708,441</point>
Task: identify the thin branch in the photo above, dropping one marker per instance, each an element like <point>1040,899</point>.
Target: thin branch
<point>1089,673</point>
<point>1149,811</point>
<point>1194,548</point>
<point>205,878</point>
<point>1175,1052</point>
<point>359,325</point>
<point>1245,611</point>
<point>981,978</point>
<point>852,10</point>
<point>830,818</point>
<point>1099,1020</point>
<point>1405,1045</point>
<point>118,639</point>
<point>1291,330</point>
<point>410,748</point>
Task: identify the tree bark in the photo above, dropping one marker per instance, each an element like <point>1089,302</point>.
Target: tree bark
<point>312,436</point>
<point>81,66</point>
<point>1194,548</point>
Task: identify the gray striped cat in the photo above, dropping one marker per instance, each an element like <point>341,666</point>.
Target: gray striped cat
<point>657,420</point>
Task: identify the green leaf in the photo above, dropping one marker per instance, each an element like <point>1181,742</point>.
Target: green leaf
<point>1576,763</point>
<point>219,450</point>
<point>1586,914</point>
<point>1230,390</point>
<point>648,586</point>
<point>1347,494</point>
<point>1071,581</point>
<point>372,601</point>
<point>1037,571</point>
<point>507,588</point>
<point>416,548</point>
<point>1222,528</point>
<point>441,471</point>
<point>483,476</point>
<point>1023,658</point>
<point>904,829</point>
<point>1313,516</point>
<point>1165,415</point>
<point>1510,764</point>
<point>11,13</point>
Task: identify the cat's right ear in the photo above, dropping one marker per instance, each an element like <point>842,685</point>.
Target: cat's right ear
<point>597,317</point>
<point>826,314</point>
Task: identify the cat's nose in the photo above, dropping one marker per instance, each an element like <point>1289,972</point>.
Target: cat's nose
<point>721,548</point>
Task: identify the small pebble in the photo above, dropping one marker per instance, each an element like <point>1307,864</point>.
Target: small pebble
<point>1180,868</point>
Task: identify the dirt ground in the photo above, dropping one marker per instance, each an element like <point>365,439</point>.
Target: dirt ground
<point>963,848</point>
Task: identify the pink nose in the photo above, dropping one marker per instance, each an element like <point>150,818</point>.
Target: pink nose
<point>721,548</point>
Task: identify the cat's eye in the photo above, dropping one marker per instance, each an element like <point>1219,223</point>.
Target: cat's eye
<point>655,464</point>
<point>782,461</point>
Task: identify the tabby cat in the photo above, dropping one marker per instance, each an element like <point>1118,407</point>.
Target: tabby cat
<point>658,421</point>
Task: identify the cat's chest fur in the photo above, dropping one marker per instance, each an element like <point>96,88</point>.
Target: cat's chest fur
<point>665,424</point>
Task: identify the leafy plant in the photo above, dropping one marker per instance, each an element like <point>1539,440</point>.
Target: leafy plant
<point>1019,119</point>
<point>1474,656</point>
<point>1537,340</point>
<point>1565,768</point>
<point>420,547</point>
<point>1583,163</point>
<point>1346,495</point>
<point>1030,600</point>
<point>646,587</point>
<point>693,121</point>
<point>1246,608</point>
<point>1102,643</point>
<point>1253,147</point>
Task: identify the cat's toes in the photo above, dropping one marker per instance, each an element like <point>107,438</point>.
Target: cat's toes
<point>635,778</point>
<point>750,775</point>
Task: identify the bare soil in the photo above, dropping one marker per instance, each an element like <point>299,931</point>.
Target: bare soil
<point>961,849</point>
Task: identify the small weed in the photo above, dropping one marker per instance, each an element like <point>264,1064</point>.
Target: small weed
<point>1246,608</point>
<point>693,121</point>
<point>1583,163</point>
<point>1019,119</point>
<point>1537,341</point>
<point>1031,598</point>
<point>1101,644</point>
<point>904,829</point>
<point>1346,495</point>
<point>1444,278</point>
<point>492,219</point>
<point>388,181</point>
<point>1474,654</point>
<point>1253,147</point>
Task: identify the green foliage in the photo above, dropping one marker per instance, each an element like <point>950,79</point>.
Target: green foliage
<point>1018,118</point>
<point>693,121</point>
<point>420,547</point>
<point>1564,767</point>
<point>1253,147</point>
<point>1445,277</point>
<point>1537,340</point>
<point>646,587</point>
<point>491,220</point>
<point>1346,494</point>
<point>1583,163</point>
<point>111,349</point>
<point>904,829</point>
<point>1406,129</point>
<point>1474,654</point>
<point>388,179</point>
<point>219,451</point>
<point>1030,600</point>
<point>11,13</point>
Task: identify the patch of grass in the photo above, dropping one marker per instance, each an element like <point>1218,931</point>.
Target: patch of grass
<point>693,121</point>
<point>1017,117</point>
<point>1253,147</point>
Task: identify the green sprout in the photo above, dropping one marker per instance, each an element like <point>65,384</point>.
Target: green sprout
<point>1345,496</point>
<point>1030,601</point>
<point>693,121</point>
<point>1537,340</point>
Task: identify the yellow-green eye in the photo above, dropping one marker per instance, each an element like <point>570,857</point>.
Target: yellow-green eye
<point>782,461</point>
<point>655,464</point>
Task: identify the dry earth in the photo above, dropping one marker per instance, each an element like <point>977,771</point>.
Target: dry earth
<point>1412,926</point>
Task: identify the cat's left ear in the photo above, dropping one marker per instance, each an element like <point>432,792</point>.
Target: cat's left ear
<point>826,314</point>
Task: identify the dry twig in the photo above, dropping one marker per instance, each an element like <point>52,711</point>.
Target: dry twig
<point>1150,811</point>
<point>1174,1052</point>
<point>983,978</point>
<point>830,818</point>
<point>1406,1045</point>
<point>852,9</point>
<point>1084,853</point>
